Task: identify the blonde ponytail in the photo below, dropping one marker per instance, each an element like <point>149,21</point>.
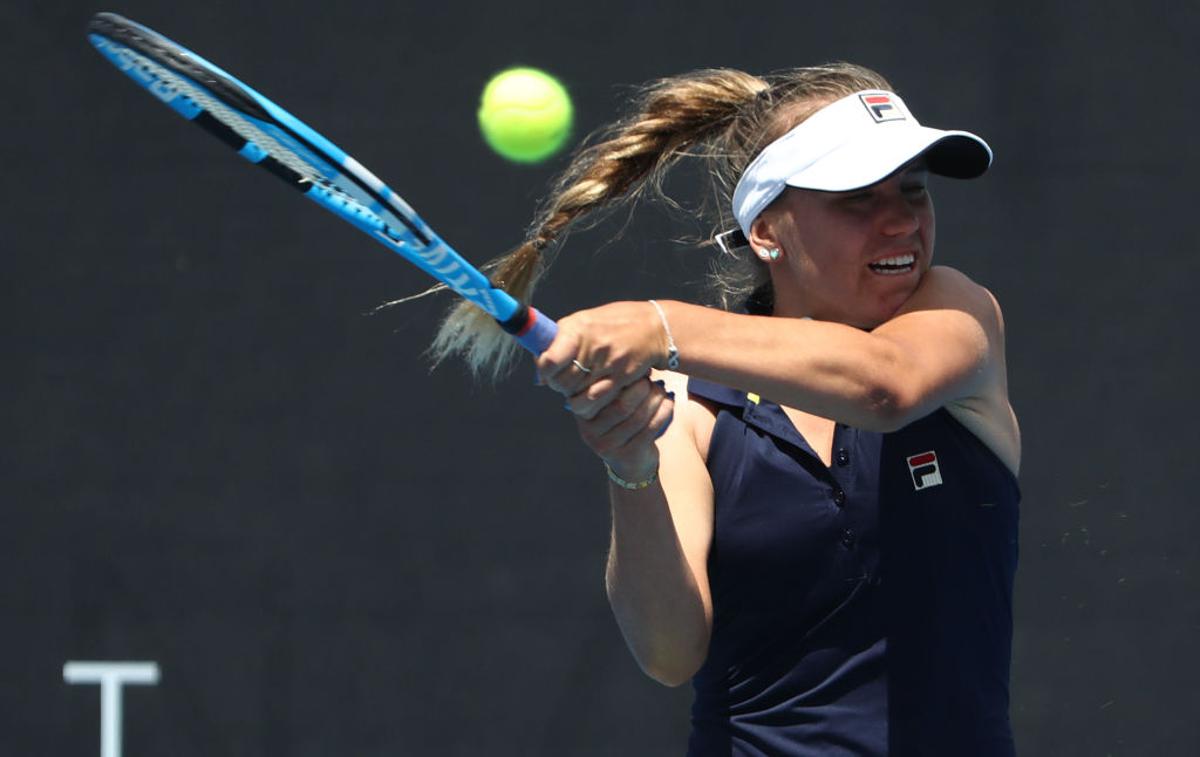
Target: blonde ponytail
<point>670,116</point>
<point>723,115</point>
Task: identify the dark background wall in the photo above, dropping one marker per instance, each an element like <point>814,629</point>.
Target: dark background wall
<point>216,460</point>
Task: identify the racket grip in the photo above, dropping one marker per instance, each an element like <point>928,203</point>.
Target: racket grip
<point>536,333</point>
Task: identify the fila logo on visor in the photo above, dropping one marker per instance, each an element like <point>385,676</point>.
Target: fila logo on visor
<point>924,470</point>
<point>882,108</point>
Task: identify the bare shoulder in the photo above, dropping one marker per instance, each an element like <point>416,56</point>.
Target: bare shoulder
<point>694,416</point>
<point>985,410</point>
<point>683,473</point>
<point>952,329</point>
<point>946,288</point>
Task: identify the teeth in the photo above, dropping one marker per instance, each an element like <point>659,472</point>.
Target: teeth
<point>895,265</point>
<point>898,260</point>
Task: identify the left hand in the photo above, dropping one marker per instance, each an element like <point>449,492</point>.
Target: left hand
<point>616,344</point>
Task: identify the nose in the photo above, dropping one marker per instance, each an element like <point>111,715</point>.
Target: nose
<point>897,216</point>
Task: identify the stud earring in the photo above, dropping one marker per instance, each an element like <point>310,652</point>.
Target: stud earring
<point>773,253</point>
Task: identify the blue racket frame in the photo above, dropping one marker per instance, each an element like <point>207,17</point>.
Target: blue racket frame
<point>194,88</point>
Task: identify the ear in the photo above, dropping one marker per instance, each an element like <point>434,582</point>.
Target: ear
<point>763,238</point>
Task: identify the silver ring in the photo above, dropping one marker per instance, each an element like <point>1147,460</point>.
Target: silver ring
<point>581,366</point>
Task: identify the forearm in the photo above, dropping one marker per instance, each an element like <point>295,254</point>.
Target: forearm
<point>827,369</point>
<point>659,604</point>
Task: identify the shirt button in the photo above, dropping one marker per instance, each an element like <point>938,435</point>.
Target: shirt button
<point>839,497</point>
<point>848,538</point>
<point>843,457</point>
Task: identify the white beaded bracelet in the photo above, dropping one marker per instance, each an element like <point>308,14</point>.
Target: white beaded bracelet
<point>632,486</point>
<point>672,350</point>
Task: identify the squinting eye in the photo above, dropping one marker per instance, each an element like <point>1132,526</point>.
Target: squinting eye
<point>916,189</point>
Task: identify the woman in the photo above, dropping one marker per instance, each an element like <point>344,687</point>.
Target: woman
<point>823,539</point>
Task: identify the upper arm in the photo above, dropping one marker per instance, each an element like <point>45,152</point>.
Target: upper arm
<point>947,341</point>
<point>686,481</point>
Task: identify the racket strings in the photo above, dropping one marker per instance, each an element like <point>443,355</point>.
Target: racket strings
<point>269,140</point>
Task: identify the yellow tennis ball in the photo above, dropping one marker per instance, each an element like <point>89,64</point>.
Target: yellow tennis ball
<point>525,114</point>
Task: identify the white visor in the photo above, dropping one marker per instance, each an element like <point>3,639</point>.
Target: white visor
<point>852,143</point>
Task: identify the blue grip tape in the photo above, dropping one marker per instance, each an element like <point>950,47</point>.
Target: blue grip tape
<point>540,334</point>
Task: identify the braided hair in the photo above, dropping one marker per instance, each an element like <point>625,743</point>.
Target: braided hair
<point>722,116</point>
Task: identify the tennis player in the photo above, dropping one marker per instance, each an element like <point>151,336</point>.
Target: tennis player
<point>823,540</point>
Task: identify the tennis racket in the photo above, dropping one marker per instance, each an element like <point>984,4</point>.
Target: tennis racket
<point>270,137</point>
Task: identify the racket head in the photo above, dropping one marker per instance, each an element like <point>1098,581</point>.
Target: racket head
<point>266,134</point>
<point>193,86</point>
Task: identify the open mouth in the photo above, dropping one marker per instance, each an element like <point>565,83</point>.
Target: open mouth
<point>894,266</point>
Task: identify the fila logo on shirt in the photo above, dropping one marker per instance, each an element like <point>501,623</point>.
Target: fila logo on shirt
<point>883,108</point>
<point>924,470</point>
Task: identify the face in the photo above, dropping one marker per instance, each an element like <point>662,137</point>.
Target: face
<point>851,257</point>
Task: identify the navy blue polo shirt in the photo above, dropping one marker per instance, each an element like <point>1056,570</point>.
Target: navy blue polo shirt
<point>863,608</point>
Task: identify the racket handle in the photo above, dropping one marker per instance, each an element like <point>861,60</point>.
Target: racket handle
<point>532,329</point>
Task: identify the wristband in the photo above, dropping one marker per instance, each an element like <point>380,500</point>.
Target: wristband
<point>632,486</point>
<point>672,350</point>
